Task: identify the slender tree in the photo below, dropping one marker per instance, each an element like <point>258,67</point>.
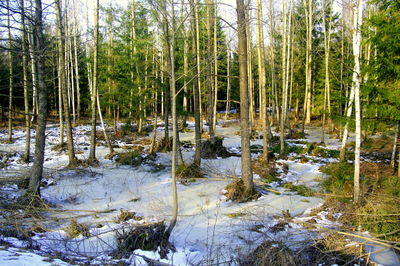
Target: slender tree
<point>196,81</point>
<point>61,79</point>
<point>357,23</point>
<point>40,138</point>
<point>247,174</point>
<point>92,153</point>
<point>262,79</point>
<point>25,84</point>
<point>11,74</point>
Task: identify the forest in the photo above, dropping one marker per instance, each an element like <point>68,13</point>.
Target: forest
<point>199,132</point>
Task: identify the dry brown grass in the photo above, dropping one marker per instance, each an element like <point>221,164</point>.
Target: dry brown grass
<point>236,191</point>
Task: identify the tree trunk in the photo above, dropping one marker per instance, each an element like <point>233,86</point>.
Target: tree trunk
<point>396,136</point>
<point>262,80</point>
<point>25,84</point>
<point>357,9</point>
<point>78,90</point>
<point>196,83</point>
<point>92,152</point>
<point>214,122</point>
<point>110,147</point>
<point>11,83</point>
<point>284,84</point>
<point>210,84</point>
<point>327,39</point>
<point>228,85</point>
<point>170,47</point>
<point>61,80</point>
<point>309,25</point>
<point>40,138</point>
<point>247,174</point>
<point>275,101</point>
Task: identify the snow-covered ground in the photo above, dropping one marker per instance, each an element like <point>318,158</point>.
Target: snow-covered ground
<point>209,230</point>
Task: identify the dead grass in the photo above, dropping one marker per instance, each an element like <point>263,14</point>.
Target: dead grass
<point>211,149</point>
<point>188,173</point>
<point>267,171</point>
<point>74,229</point>
<point>149,237</point>
<point>271,253</point>
<point>127,215</point>
<point>237,192</point>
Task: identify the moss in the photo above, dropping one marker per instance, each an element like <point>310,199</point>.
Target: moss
<point>340,177</point>
<point>300,189</point>
<point>132,158</point>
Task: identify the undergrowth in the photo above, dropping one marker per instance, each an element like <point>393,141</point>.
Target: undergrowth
<point>379,209</point>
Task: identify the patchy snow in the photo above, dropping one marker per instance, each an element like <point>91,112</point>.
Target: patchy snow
<point>13,256</point>
<point>209,230</point>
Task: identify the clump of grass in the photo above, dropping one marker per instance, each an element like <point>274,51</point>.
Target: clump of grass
<point>340,177</point>
<point>75,229</point>
<point>267,171</point>
<point>271,253</point>
<point>297,135</point>
<point>191,172</point>
<point>236,191</point>
<point>235,214</point>
<point>333,249</point>
<point>132,158</point>
<point>213,148</point>
<point>302,190</point>
<point>149,237</point>
<point>127,215</point>
<point>379,208</point>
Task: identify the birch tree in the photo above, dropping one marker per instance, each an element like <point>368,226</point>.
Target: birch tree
<point>356,82</point>
<point>61,79</point>
<point>92,152</point>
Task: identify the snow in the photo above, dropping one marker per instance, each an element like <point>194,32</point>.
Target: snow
<point>17,257</point>
<point>209,230</point>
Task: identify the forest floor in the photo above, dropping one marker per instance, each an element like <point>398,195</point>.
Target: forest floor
<point>88,208</point>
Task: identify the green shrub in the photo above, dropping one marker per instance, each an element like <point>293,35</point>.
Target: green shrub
<point>340,177</point>
<point>132,158</point>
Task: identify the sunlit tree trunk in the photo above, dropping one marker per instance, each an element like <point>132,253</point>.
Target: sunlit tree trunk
<point>275,101</point>
<point>247,174</point>
<point>284,84</point>
<point>309,26</point>
<point>77,77</point>
<point>357,11</point>
<point>40,138</point>
<point>170,47</point>
<point>196,83</point>
<point>214,122</point>
<point>228,85</point>
<point>92,152</point>
<point>327,4</point>
<point>210,83</point>
<point>25,84</point>
<point>61,79</point>
<point>262,79</point>
<point>395,140</point>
